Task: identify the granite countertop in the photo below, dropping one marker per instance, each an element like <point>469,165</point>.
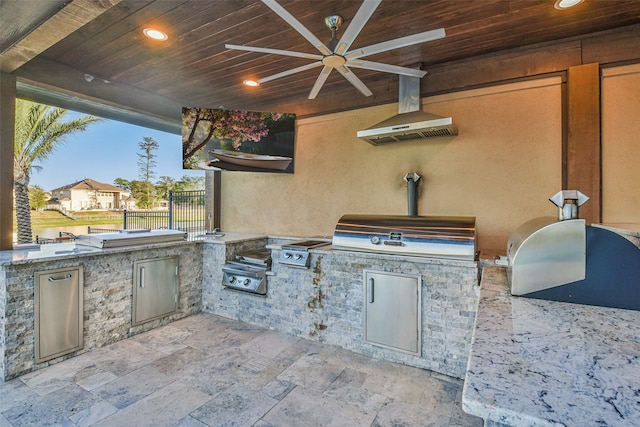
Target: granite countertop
<point>545,363</point>
<point>53,251</point>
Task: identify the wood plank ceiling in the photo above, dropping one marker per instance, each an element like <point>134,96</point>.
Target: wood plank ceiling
<point>193,68</point>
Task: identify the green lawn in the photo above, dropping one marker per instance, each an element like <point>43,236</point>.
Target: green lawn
<point>54,219</point>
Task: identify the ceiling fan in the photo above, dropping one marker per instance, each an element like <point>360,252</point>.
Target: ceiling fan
<point>337,54</point>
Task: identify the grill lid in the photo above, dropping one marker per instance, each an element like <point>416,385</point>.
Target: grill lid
<point>433,236</point>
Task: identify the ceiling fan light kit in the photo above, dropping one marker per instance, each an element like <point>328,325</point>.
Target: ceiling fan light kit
<point>336,54</point>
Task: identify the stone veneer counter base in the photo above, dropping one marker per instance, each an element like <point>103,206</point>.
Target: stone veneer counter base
<point>325,302</point>
<point>545,363</point>
<point>107,295</point>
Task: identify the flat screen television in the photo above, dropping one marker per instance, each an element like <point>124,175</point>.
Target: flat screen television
<point>237,140</point>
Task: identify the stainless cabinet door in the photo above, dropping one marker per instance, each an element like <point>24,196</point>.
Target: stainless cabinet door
<point>155,289</point>
<point>58,312</point>
<point>392,310</point>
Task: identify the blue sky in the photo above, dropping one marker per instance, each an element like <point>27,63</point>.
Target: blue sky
<point>106,151</point>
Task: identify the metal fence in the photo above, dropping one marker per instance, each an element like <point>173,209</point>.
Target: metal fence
<point>186,212</point>
<point>145,219</point>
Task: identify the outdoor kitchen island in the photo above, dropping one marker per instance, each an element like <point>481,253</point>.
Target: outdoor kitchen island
<point>106,285</point>
<point>544,363</point>
<point>325,301</point>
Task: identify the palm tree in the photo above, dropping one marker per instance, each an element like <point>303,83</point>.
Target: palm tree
<point>40,129</point>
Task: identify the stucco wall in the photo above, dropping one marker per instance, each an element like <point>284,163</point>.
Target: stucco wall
<point>502,167</point>
<point>621,144</point>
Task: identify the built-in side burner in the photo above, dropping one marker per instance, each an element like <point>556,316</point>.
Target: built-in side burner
<point>248,272</point>
<point>296,253</point>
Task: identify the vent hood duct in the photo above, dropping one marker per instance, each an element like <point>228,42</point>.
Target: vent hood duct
<point>411,123</point>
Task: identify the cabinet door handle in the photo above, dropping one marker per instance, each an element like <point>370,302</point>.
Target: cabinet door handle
<point>142,277</point>
<point>65,277</point>
<point>371,287</point>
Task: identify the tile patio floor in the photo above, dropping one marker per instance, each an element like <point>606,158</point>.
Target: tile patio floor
<point>208,371</point>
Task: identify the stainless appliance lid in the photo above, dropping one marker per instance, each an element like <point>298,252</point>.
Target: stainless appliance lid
<point>304,245</point>
<point>257,257</point>
<point>434,236</point>
<point>136,237</point>
<point>434,228</point>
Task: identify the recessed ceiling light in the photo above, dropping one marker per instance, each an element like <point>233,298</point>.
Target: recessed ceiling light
<point>152,33</point>
<point>566,4</point>
<point>251,83</point>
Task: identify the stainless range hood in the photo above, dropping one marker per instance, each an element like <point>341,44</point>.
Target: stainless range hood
<point>411,123</point>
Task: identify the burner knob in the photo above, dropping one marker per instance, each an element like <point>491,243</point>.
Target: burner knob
<point>298,257</point>
<point>375,240</point>
<point>288,255</point>
<point>246,282</point>
<point>232,279</point>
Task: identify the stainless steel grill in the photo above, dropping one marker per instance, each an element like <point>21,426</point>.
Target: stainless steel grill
<point>430,236</point>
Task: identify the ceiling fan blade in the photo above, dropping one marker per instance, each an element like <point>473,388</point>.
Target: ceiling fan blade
<point>386,68</point>
<point>396,43</point>
<point>354,80</point>
<point>324,74</point>
<point>357,23</point>
<point>289,72</point>
<point>291,20</point>
<point>274,51</point>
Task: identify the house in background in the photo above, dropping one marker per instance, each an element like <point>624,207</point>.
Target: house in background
<point>91,194</point>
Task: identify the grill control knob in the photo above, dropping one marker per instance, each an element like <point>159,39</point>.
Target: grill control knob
<point>246,282</point>
<point>298,257</point>
<point>375,240</point>
<point>232,279</point>
<point>288,255</point>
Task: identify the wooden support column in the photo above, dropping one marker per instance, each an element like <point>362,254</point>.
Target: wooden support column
<point>582,156</point>
<point>213,189</point>
<point>7,133</point>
